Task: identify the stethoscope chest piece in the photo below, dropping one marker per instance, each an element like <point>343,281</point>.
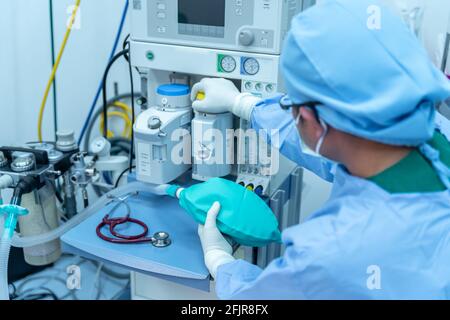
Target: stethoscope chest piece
<point>161,240</point>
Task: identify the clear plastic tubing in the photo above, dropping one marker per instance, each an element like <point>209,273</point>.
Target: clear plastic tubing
<point>5,247</point>
<point>96,207</point>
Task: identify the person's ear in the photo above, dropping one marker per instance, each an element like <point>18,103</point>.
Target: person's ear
<point>310,121</point>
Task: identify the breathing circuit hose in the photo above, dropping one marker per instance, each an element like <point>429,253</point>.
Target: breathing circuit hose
<point>96,207</point>
<point>12,213</point>
<point>5,246</point>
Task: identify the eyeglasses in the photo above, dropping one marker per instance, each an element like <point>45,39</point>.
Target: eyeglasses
<point>286,104</point>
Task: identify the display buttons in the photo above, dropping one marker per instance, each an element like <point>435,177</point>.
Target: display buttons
<point>161,6</point>
<point>205,31</point>
<point>161,15</point>
<point>220,31</point>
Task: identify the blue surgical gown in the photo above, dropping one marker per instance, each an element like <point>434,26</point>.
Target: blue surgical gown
<point>363,244</point>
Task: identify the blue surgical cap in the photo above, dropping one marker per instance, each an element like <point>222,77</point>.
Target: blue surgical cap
<point>369,71</point>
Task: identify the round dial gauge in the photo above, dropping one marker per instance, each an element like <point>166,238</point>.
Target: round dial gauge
<point>251,66</point>
<point>228,64</point>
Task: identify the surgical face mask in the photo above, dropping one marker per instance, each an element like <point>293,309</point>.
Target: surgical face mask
<point>305,148</point>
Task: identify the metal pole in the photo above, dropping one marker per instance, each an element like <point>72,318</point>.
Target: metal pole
<point>446,51</point>
<point>52,42</point>
<point>295,197</point>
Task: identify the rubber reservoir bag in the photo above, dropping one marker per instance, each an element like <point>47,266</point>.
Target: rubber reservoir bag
<point>244,216</point>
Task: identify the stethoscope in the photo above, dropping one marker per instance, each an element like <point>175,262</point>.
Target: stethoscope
<point>160,239</point>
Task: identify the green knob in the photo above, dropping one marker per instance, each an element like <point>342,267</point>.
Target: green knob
<point>150,55</point>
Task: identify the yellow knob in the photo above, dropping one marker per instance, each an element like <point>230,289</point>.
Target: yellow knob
<point>201,96</point>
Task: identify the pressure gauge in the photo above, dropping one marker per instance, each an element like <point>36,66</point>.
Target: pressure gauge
<point>228,64</point>
<point>251,66</point>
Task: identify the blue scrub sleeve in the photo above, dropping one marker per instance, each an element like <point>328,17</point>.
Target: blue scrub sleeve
<point>240,280</point>
<point>278,129</point>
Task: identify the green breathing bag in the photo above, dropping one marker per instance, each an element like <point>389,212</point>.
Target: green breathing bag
<point>244,216</point>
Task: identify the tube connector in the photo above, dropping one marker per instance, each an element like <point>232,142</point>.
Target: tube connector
<point>12,212</point>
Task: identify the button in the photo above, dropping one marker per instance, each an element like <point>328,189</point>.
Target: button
<point>246,37</point>
<point>161,6</point>
<point>161,29</point>
<point>259,190</point>
<point>248,86</point>
<point>250,187</point>
<point>269,88</point>
<point>154,123</point>
<point>259,87</point>
<point>205,31</point>
<point>161,15</point>
<point>150,55</point>
<point>239,11</point>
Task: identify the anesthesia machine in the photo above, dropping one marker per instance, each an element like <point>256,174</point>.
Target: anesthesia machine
<point>172,46</point>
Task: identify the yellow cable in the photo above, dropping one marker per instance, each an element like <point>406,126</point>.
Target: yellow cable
<point>127,130</point>
<point>123,106</point>
<point>55,68</point>
<point>125,116</point>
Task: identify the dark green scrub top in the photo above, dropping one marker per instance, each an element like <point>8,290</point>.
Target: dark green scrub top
<point>415,174</point>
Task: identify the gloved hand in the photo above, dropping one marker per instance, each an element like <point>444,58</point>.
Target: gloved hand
<point>216,248</point>
<point>222,96</point>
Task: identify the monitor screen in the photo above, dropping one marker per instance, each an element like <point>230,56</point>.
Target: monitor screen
<point>202,12</point>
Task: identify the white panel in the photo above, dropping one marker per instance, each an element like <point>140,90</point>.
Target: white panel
<point>145,287</point>
<point>200,61</point>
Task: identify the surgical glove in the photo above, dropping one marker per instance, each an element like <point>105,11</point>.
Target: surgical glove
<point>222,96</point>
<point>216,248</point>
